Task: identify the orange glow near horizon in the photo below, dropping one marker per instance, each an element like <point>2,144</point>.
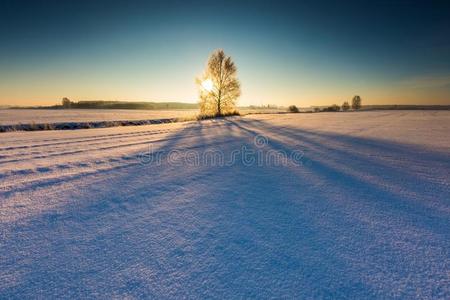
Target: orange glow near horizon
<point>48,88</point>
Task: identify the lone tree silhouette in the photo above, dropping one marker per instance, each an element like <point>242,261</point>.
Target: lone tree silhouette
<point>356,102</point>
<point>219,87</point>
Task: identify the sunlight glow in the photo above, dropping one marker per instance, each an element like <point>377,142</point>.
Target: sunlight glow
<point>208,85</point>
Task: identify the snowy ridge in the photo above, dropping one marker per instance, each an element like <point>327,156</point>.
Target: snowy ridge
<point>81,125</point>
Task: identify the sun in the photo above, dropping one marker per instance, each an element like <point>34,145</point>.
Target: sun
<point>208,85</point>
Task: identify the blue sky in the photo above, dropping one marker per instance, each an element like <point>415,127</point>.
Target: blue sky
<point>286,52</point>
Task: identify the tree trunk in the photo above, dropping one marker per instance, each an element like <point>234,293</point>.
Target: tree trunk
<point>219,98</point>
<point>219,111</point>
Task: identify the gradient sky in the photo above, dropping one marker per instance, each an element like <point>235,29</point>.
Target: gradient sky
<point>388,52</point>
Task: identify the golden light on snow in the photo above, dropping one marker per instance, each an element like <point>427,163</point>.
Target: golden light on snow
<point>208,85</point>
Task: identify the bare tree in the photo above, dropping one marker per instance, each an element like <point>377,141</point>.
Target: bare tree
<point>219,86</point>
<point>356,102</point>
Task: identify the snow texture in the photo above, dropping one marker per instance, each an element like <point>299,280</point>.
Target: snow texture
<point>363,213</point>
<point>50,116</point>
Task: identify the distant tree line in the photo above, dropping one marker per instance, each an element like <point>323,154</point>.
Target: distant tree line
<point>98,104</point>
<point>356,105</point>
<point>268,106</point>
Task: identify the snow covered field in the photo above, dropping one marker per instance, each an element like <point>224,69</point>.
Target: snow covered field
<point>345,205</point>
<point>38,116</point>
<point>49,116</point>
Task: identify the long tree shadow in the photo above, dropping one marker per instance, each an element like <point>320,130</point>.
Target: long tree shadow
<point>397,161</point>
<point>412,199</point>
<point>119,202</point>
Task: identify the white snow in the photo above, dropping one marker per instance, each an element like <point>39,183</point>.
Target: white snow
<point>46,116</point>
<point>362,212</point>
<point>50,116</point>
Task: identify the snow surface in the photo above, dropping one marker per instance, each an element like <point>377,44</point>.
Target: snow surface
<point>363,212</point>
<point>48,116</point>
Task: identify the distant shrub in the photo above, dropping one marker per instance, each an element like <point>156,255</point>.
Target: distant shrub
<point>293,109</point>
<point>66,103</point>
<point>333,108</point>
<point>229,114</point>
<point>316,109</point>
<point>345,106</point>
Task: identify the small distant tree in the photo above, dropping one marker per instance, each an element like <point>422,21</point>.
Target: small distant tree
<point>293,109</point>
<point>336,107</point>
<point>333,107</point>
<point>219,87</point>
<point>356,102</point>
<point>345,106</point>
<point>66,102</point>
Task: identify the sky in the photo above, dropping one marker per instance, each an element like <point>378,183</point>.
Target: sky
<point>287,52</point>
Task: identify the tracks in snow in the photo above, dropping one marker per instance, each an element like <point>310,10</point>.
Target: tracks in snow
<point>44,160</point>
